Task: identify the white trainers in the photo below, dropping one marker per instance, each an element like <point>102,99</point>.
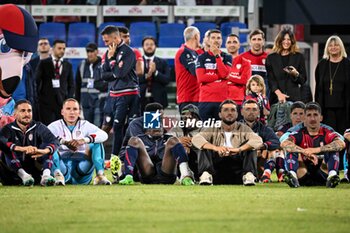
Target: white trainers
<point>206,179</point>
<point>101,180</point>
<point>59,179</point>
<point>249,179</point>
<point>28,180</point>
<point>47,180</point>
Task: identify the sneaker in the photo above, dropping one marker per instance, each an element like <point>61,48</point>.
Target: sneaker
<point>47,180</point>
<point>332,181</point>
<point>128,180</point>
<point>187,181</point>
<point>59,179</point>
<point>28,181</point>
<point>206,179</point>
<point>345,180</point>
<point>115,165</point>
<point>249,179</point>
<point>280,176</point>
<point>266,178</point>
<point>291,180</point>
<point>101,180</point>
<point>115,179</point>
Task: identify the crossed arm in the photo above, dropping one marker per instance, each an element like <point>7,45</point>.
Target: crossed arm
<point>336,145</point>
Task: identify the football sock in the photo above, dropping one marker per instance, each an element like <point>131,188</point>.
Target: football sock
<point>292,162</point>
<point>131,156</point>
<point>98,156</point>
<point>179,153</point>
<point>269,165</point>
<point>22,173</point>
<point>46,172</point>
<point>279,164</point>
<point>333,161</point>
<point>184,169</point>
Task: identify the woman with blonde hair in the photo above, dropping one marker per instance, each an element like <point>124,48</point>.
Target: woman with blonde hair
<point>285,67</point>
<point>332,76</point>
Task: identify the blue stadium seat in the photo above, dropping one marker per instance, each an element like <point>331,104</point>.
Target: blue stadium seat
<point>174,42</point>
<point>138,30</point>
<point>75,64</point>
<point>226,28</point>
<point>52,31</point>
<point>101,27</point>
<point>203,27</point>
<point>171,34</point>
<point>171,29</point>
<point>80,34</point>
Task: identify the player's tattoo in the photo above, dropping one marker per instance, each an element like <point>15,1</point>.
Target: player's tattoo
<point>290,146</point>
<point>336,145</point>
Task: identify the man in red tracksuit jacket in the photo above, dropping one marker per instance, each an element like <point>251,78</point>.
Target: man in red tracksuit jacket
<point>212,70</point>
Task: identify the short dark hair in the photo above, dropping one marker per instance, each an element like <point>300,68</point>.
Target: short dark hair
<point>233,35</point>
<point>110,29</point>
<point>256,32</point>
<point>313,106</point>
<point>123,29</point>
<point>214,31</point>
<point>149,38</point>
<point>227,101</point>
<point>297,104</point>
<point>22,101</point>
<point>250,101</point>
<point>152,107</point>
<point>58,42</point>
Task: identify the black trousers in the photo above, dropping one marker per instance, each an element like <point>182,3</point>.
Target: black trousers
<point>227,170</point>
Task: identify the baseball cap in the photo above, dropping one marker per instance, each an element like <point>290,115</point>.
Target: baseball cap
<point>192,109</point>
<point>91,47</point>
<point>19,28</point>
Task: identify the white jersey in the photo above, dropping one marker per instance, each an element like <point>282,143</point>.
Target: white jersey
<point>82,130</point>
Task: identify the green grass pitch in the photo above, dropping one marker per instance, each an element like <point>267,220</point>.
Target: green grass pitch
<point>174,208</point>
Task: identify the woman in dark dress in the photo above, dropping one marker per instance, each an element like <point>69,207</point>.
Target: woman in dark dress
<point>285,69</point>
<point>332,76</point>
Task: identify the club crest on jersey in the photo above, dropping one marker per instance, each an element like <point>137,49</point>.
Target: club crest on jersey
<point>238,66</point>
<point>78,133</point>
<point>30,137</point>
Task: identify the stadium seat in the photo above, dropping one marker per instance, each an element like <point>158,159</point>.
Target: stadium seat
<point>75,64</point>
<point>171,29</point>
<point>226,28</point>
<point>171,42</point>
<point>101,27</point>
<point>52,31</point>
<point>138,30</point>
<point>171,35</point>
<point>203,27</point>
<point>80,34</point>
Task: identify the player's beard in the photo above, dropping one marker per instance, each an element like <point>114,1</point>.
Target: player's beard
<point>229,122</point>
<point>150,54</point>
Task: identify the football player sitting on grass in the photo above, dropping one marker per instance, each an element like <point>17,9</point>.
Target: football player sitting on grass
<point>157,156</point>
<point>81,148</point>
<point>312,152</point>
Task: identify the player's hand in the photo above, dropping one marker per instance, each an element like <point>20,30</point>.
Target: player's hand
<point>215,49</point>
<point>311,151</point>
<point>152,67</point>
<point>186,141</point>
<point>234,151</point>
<point>282,98</point>
<point>40,152</point>
<point>111,50</point>
<point>29,150</point>
<point>222,151</point>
